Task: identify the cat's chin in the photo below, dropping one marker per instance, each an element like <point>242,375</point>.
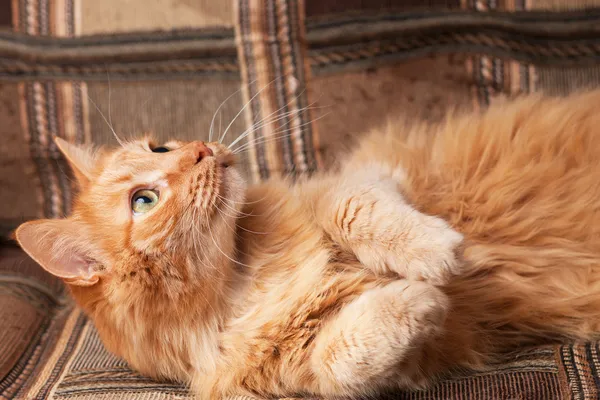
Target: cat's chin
<point>232,186</point>
<point>225,160</point>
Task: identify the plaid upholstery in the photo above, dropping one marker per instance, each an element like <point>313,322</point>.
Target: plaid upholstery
<point>331,69</point>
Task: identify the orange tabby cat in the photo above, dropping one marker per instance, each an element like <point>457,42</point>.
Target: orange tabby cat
<point>337,285</point>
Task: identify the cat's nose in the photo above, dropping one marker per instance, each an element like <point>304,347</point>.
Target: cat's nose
<point>201,151</point>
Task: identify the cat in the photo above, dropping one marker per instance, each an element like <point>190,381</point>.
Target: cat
<point>431,247</point>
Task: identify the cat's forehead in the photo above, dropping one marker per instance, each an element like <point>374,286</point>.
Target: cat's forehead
<point>134,158</point>
<point>137,149</point>
<point>147,143</point>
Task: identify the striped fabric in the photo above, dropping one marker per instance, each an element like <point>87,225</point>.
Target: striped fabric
<point>275,73</point>
<point>51,108</point>
<point>314,75</point>
<point>50,71</point>
<point>495,76</point>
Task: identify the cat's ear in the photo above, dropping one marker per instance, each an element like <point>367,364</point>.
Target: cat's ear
<point>81,158</point>
<point>61,248</point>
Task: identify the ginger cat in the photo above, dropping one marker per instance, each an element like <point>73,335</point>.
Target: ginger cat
<point>431,247</point>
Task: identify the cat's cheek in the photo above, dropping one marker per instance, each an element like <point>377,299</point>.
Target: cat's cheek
<point>149,237</point>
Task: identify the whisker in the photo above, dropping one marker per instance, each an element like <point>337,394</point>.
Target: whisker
<point>222,252</point>
<point>212,122</point>
<point>235,232</point>
<point>243,214</point>
<point>263,121</point>
<point>195,237</point>
<point>237,214</point>
<point>271,138</point>
<point>109,93</point>
<point>266,121</point>
<point>239,227</point>
<point>253,232</point>
<point>138,113</point>
<point>278,131</point>
<point>106,120</point>
<point>243,108</point>
<point>224,214</point>
<point>258,125</point>
<point>220,121</point>
<point>245,202</point>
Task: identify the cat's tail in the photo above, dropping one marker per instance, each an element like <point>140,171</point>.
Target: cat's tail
<point>522,183</point>
<point>526,295</point>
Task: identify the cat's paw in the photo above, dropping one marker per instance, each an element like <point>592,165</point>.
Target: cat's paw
<point>432,254</point>
<point>379,338</point>
<point>428,252</point>
<point>428,307</point>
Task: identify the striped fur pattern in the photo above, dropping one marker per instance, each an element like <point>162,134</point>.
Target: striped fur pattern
<point>430,248</point>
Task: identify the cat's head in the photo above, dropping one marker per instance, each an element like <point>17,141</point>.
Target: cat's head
<point>152,229</point>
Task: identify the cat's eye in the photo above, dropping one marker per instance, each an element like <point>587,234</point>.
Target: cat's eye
<point>160,149</point>
<point>143,201</point>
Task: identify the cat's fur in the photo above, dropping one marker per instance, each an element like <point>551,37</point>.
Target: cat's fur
<point>339,285</point>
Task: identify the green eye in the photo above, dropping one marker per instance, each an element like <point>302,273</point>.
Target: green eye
<point>143,201</point>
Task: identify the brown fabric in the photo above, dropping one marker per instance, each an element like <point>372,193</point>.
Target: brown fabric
<point>496,77</point>
<point>325,7</point>
<point>178,54</point>
<point>276,75</point>
<point>561,81</point>
<point>561,5</point>
<point>33,308</point>
<point>51,109</point>
<point>5,14</point>
<point>581,369</point>
<point>335,43</point>
<point>168,110</point>
<point>357,102</point>
<point>23,323</point>
<point>110,16</point>
<point>17,184</point>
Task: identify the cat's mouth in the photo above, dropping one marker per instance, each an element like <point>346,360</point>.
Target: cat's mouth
<point>209,184</point>
<point>215,181</point>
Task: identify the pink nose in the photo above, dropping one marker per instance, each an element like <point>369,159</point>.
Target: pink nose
<point>202,151</point>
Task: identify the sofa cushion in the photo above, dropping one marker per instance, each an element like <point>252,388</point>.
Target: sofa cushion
<point>51,350</point>
<point>337,69</point>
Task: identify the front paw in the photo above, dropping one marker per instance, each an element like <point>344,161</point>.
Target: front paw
<point>432,254</point>
<point>428,252</point>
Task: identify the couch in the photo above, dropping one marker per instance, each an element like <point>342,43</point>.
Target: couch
<point>337,68</point>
